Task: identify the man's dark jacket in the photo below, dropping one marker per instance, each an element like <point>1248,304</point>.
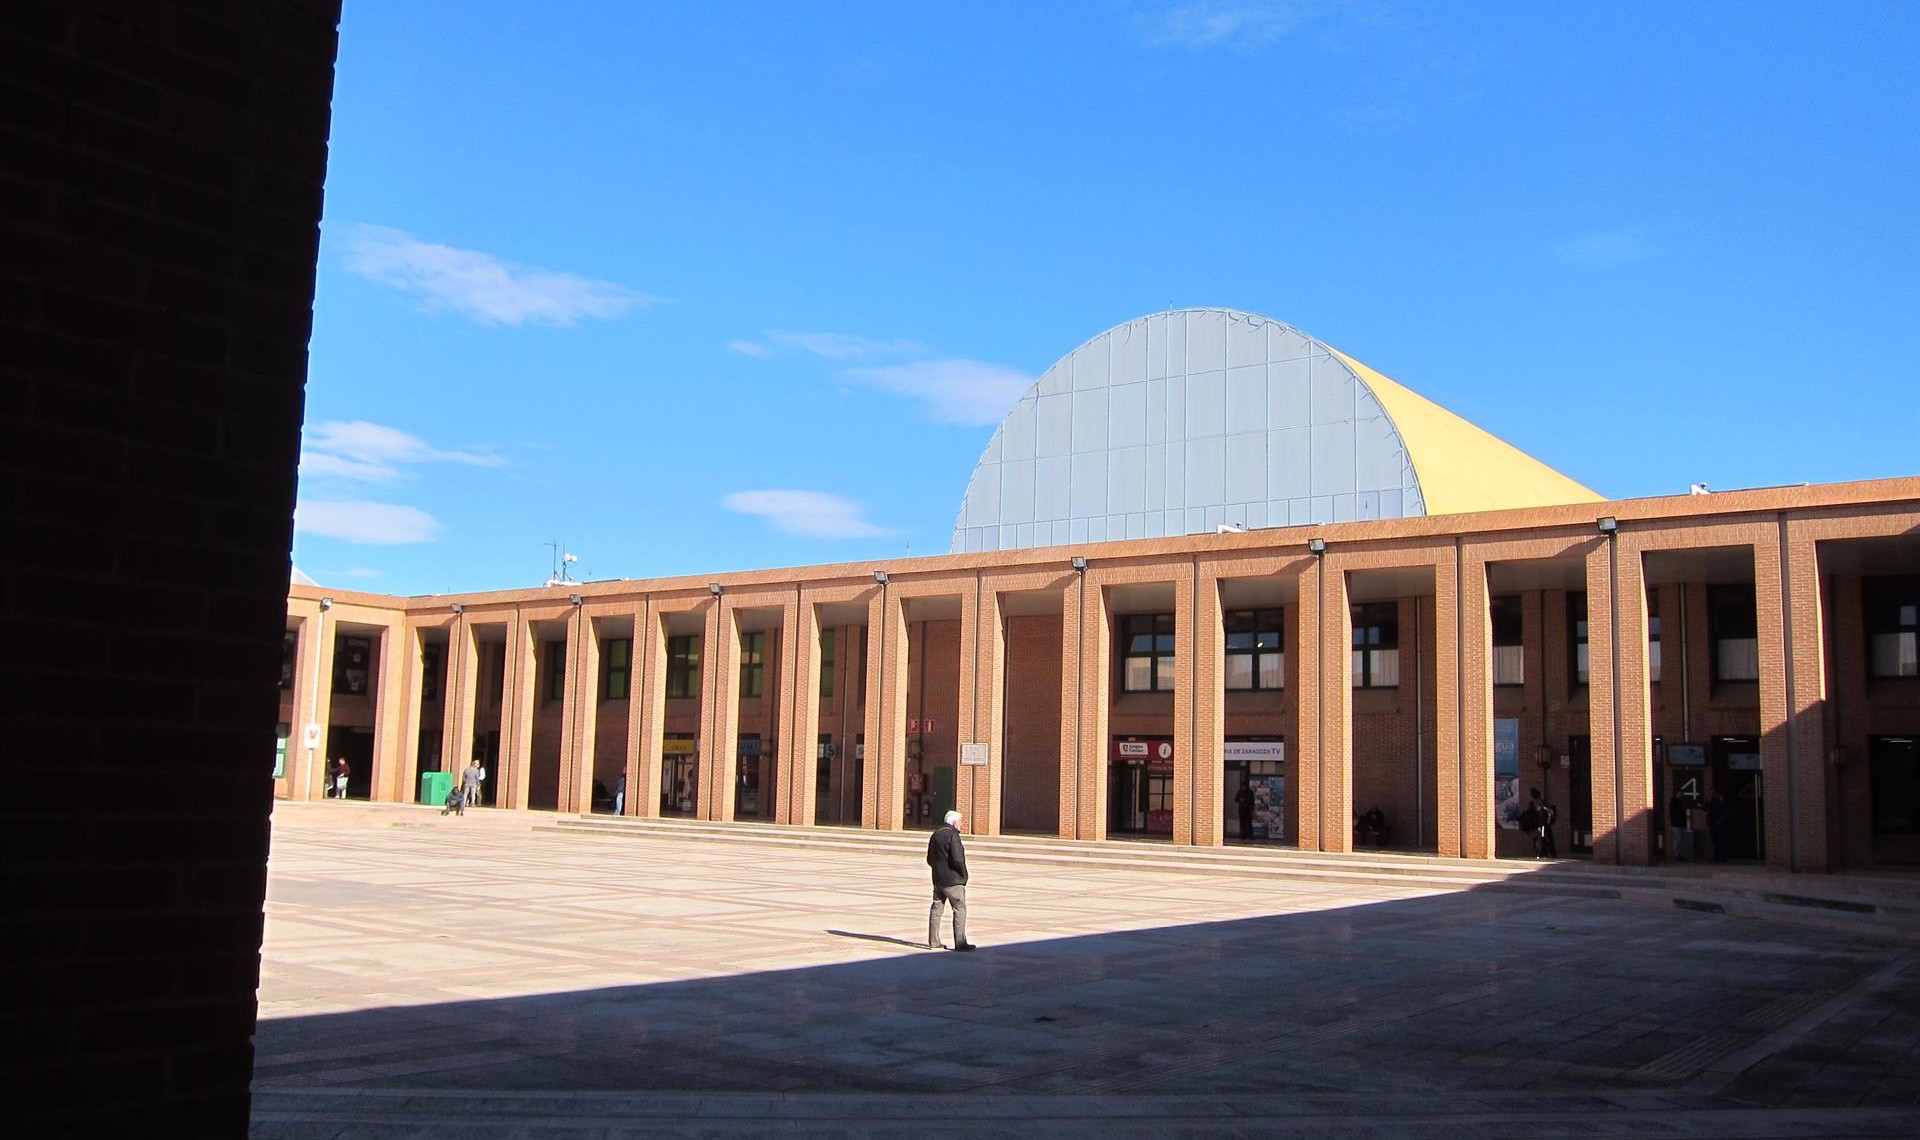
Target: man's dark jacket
<point>947,858</point>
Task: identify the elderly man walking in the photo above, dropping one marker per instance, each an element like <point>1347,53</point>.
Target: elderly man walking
<point>949,862</point>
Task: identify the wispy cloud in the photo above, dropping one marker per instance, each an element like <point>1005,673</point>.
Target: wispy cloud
<point>815,514</point>
<point>954,390</point>
<point>1608,247</point>
<point>1224,24</point>
<point>847,346</point>
<point>353,520</point>
<point>374,453</point>
<point>480,286</point>
<point>968,392</point>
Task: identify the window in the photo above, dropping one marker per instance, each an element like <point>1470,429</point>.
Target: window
<point>1376,645</point>
<point>1734,628</point>
<point>616,668</point>
<point>350,659</point>
<point>430,655</point>
<point>683,666</point>
<point>1509,644</point>
<point>555,655</point>
<point>1653,636</point>
<point>753,663</point>
<point>1256,655</point>
<point>1892,608</point>
<point>1577,634</point>
<point>1146,653</point>
<point>289,653</point>
<point>826,664</point>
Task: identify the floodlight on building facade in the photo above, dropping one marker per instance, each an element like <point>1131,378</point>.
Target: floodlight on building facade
<point>1608,524</point>
<point>1317,545</point>
<point>1080,563</point>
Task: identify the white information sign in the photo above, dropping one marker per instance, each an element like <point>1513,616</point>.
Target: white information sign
<point>973,754</point>
<point>313,736</point>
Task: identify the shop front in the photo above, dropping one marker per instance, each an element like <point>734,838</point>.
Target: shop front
<point>1259,768</point>
<point>1140,787</point>
<point>679,776</point>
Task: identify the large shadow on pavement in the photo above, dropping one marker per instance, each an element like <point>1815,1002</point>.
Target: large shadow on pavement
<point>1486,991</point>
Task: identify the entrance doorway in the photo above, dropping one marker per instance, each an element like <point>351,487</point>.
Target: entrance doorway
<point>356,744</point>
<point>1140,788</point>
<point>679,774</point>
<point>1736,776</point>
<point>1895,771</point>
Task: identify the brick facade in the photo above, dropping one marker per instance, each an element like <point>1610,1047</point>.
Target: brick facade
<point>1023,652</point>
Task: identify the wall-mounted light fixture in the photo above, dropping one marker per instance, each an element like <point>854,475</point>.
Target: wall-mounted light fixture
<point>326,604</point>
<point>574,598</point>
<point>1080,563</point>
<point>880,576</point>
<point>458,608</point>
<point>1608,524</point>
<point>1317,545</point>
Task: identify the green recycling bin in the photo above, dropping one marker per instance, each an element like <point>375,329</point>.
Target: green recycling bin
<point>434,787</point>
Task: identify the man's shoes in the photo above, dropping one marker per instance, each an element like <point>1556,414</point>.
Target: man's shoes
<point>965,946</point>
<point>936,946</point>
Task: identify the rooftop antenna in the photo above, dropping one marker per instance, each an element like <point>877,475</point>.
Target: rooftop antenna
<point>562,565</point>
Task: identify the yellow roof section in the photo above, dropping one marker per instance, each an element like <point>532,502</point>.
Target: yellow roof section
<point>1460,467</point>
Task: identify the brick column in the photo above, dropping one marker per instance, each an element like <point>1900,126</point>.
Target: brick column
<point>518,706</point>
<point>793,759</point>
<point>1199,715</point>
<point>580,713</point>
<point>1093,688</point>
<point>884,779</point>
<point>799,799</point>
<point>647,711</point>
<point>1807,696</point>
<point>1782,796</point>
<point>983,639</point>
<point>312,705</point>
<point>1306,658</point>
<point>1329,772</point>
<point>1619,710</point>
<point>1463,784</point>
<point>721,710</point>
<point>395,691</point>
<point>463,682</point>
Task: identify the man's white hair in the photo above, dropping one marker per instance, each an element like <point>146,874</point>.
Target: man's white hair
<point>952,818</point>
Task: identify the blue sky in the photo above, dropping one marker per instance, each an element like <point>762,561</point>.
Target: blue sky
<point>712,286</point>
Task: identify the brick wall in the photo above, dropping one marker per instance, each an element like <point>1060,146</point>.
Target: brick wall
<point>162,196</point>
<point>1030,785</point>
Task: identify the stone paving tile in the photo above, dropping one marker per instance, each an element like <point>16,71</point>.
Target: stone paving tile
<point>583,964</point>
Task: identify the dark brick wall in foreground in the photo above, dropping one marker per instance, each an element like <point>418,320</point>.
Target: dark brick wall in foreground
<point>161,167</point>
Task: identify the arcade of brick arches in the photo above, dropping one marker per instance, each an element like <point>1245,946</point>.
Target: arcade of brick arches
<point>1758,645</point>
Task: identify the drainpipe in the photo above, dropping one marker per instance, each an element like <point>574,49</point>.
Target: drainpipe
<point>1419,736</point>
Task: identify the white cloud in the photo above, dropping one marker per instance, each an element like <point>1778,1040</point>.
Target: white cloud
<point>1213,24</point>
<point>815,514</point>
<point>374,453</point>
<point>968,392</point>
<point>482,287</point>
<point>847,346</point>
<point>751,348</point>
<point>1608,247</point>
<point>353,520</point>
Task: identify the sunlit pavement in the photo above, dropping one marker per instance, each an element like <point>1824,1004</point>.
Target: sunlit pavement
<point>447,977</point>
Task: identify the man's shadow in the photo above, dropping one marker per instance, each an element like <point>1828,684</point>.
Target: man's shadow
<point>878,938</point>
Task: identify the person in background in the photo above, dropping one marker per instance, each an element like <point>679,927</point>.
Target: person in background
<point>1243,799</point>
<point>948,859</point>
<point>620,795</point>
<point>470,782</point>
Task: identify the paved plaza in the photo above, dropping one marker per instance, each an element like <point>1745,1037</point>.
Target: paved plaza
<point>486,977</point>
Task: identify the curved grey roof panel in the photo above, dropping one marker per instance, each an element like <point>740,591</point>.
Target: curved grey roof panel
<point>1181,421</point>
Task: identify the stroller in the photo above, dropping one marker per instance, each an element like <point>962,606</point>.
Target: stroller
<point>456,802</point>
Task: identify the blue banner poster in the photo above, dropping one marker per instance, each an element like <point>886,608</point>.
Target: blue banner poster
<point>1506,773</point>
